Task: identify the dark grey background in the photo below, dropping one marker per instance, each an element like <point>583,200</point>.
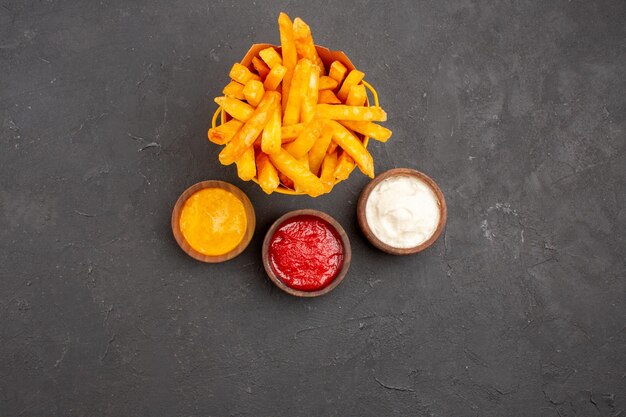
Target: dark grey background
<point>516,108</point>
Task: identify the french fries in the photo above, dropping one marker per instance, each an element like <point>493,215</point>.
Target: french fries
<point>223,133</point>
<point>260,67</point>
<point>353,78</point>
<point>304,44</point>
<point>236,108</point>
<point>327,97</point>
<point>253,92</point>
<point>357,95</point>
<point>234,89</point>
<point>268,176</point>
<point>291,120</point>
<point>271,140</point>
<point>356,113</point>
<point>298,173</point>
<point>299,88</point>
<point>337,71</point>
<point>246,136</point>
<point>327,83</point>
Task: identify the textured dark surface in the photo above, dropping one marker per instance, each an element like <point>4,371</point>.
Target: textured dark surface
<point>516,108</point>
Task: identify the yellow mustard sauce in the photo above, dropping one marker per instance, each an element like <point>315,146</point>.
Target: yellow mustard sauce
<point>213,221</point>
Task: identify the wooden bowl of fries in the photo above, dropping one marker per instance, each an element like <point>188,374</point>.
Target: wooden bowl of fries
<point>304,140</point>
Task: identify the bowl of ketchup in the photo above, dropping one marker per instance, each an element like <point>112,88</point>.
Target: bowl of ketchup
<point>306,253</point>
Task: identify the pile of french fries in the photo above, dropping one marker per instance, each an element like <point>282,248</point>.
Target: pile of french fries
<point>294,122</point>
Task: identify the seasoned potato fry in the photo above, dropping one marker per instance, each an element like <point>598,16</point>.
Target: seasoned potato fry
<point>305,140</point>
<point>318,151</point>
<point>236,108</point>
<point>271,57</point>
<point>353,78</point>
<point>246,168</point>
<point>304,160</point>
<point>345,166</point>
<point>327,97</point>
<point>357,95</point>
<point>253,92</point>
<point>223,133</point>
<point>298,173</point>
<point>245,137</point>
<point>357,113</point>
<point>234,89</point>
<point>286,181</point>
<point>273,79</point>
<point>369,129</point>
<point>327,175</point>
<point>353,147</point>
<point>242,74</point>
<point>299,88</point>
<point>332,147</point>
<point>309,101</point>
<point>337,71</point>
<point>289,133</point>
<point>271,140</point>
<point>260,67</point>
<point>267,174</point>
<point>327,83</point>
<point>305,45</point>
<point>290,55</point>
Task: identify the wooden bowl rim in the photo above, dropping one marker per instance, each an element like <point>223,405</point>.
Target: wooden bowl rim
<point>347,258</point>
<point>180,238</point>
<point>362,218</point>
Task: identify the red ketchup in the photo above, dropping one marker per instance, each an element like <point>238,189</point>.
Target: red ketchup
<point>306,253</point>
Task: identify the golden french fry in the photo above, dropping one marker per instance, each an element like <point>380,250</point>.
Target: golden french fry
<point>369,129</point>
<point>309,101</point>
<point>260,67</point>
<point>271,141</point>
<point>329,164</point>
<point>305,140</point>
<point>305,45</point>
<point>236,108</point>
<point>234,89</point>
<point>289,133</point>
<point>242,74</point>
<point>353,78</point>
<point>267,173</point>
<point>353,147</point>
<point>298,173</point>
<point>327,97</point>
<point>273,79</point>
<point>299,88</point>
<point>290,55</point>
<point>345,166</point>
<point>318,151</point>
<point>332,147</point>
<point>304,160</point>
<point>357,95</point>
<point>327,83</point>
<point>337,71</point>
<point>356,113</point>
<point>246,136</point>
<point>223,133</point>
<point>246,168</point>
<point>271,57</point>
<point>253,92</point>
<point>286,181</point>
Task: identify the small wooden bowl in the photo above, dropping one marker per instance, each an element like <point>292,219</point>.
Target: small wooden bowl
<point>178,234</point>
<point>347,253</point>
<point>363,219</point>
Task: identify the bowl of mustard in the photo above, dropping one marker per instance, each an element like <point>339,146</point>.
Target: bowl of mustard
<point>213,221</point>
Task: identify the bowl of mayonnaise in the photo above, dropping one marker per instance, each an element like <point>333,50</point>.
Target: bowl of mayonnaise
<point>402,211</point>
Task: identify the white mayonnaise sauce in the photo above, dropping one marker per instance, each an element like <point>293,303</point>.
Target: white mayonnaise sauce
<point>402,211</point>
